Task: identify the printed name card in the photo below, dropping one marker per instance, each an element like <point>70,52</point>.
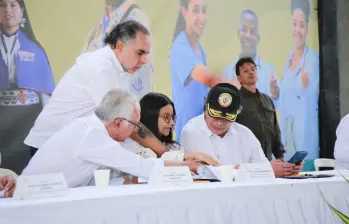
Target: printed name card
<point>41,186</point>
<point>255,172</point>
<point>170,177</point>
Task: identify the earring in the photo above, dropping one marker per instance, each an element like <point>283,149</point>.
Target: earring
<point>23,21</point>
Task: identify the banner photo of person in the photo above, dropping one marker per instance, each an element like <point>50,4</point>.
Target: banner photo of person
<point>26,82</point>
<point>207,36</point>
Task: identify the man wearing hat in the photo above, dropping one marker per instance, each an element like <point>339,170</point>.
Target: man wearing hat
<point>216,133</point>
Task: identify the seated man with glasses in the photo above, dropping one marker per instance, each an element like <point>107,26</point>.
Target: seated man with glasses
<point>216,133</point>
<point>91,143</point>
<point>159,115</point>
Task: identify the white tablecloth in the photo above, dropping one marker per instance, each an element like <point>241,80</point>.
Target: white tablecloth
<point>282,201</point>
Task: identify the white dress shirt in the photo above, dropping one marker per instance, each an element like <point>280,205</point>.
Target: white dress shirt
<point>341,148</point>
<point>79,92</point>
<point>82,147</point>
<point>239,145</point>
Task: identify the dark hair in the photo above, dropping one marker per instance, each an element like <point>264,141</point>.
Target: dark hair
<point>151,105</point>
<point>302,5</point>
<point>125,31</point>
<point>114,2</point>
<point>241,62</point>
<point>250,12</point>
<point>27,28</point>
<point>181,23</point>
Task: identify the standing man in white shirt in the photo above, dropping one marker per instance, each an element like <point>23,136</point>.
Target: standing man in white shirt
<point>94,74</point>
<point>216,133</point>
<point>115,12</point>
<point>91,143</point>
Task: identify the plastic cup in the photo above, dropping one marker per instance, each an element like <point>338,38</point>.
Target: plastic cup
<point>102,178</point>
<point>226,173</point>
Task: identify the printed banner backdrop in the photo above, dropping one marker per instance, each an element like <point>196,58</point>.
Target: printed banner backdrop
<point>66,28</point>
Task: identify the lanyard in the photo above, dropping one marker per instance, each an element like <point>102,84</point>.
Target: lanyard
<point>7,53</point>
<point>4,44</point>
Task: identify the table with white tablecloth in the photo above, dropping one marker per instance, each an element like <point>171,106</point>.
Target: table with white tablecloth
<point>280,201</point>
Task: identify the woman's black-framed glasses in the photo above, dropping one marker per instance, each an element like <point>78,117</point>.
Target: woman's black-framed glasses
<point>167,118</point>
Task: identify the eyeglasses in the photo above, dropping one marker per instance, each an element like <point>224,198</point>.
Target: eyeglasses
<point>167,118</point>
<point>136,126</point>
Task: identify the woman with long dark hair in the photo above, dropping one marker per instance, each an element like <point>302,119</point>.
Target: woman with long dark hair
<point>300,89</point>
<point>26,82</point>
<point>190,76</point>
<point>158,114</point>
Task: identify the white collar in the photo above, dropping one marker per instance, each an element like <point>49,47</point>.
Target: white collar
<point>97,123</point>
<point>114,59</point>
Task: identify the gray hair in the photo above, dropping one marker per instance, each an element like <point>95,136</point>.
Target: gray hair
<point>117,103</point>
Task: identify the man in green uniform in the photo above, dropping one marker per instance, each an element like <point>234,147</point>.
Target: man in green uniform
<point>258,112</point>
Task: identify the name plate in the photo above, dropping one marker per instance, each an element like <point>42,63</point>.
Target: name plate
<point>40,186</point>
<point>170,177</point>
<point>255,172</point>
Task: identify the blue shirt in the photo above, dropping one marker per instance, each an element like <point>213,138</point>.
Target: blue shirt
<point>188,95</point>
<point>301,104</point>
<point>263,76</point>
<point>32,67</point>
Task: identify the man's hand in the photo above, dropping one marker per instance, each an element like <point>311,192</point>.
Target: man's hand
<point>193,165</point>
<point>129,181</point>
<point>233,82</point>
<point>8,184</point>
<point>198,156</point>
<point>274,89</point>
<point>282,169</point>
<point>281,159</point>
<point>304,78</point>
<point>297,168</point>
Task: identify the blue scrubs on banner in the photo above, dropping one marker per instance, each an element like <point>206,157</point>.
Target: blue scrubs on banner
<point>32,77</point>
<point>263,81</point>
<point>105,25</point>
<point>188,95</point>
<point>32,68</point>
<point>299,121</point>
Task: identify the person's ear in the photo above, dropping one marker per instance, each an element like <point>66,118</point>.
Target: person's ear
<point>119,46</point>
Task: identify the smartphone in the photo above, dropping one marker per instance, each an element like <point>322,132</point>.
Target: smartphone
<point>298,157</point>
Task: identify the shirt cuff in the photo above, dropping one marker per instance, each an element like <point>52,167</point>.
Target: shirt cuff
<point>177,156</point>
<point>158,163</point>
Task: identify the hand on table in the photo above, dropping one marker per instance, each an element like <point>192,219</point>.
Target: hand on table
<point>193,165</point>
<point>297,168</point>
<point>129,181</point>
<point>198,156</point>
<point>281,168</point>
<point>8,184</point>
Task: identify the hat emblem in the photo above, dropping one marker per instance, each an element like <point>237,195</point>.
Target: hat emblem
<point>225,100</point>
